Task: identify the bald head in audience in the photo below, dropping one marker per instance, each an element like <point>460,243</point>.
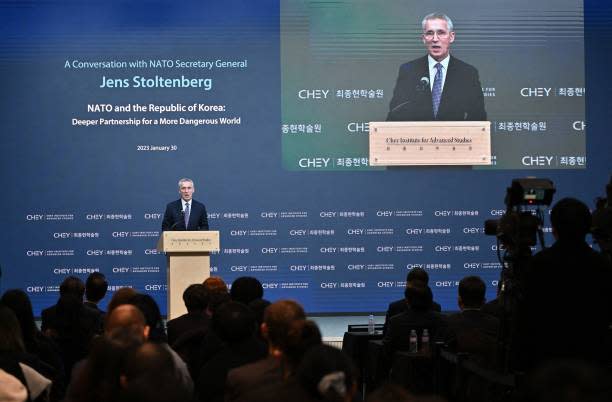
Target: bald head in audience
<point>126,317</point>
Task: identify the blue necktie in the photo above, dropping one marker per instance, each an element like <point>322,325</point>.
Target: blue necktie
<point>436,91</point>
<point>186,213</point>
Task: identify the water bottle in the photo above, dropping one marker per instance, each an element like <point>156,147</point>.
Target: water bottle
<point>425,341</point>
<point>413,346</point>
<point>371,324</point>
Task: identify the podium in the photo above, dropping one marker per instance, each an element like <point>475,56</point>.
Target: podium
<point>188,256</point>
<point>431,143</point>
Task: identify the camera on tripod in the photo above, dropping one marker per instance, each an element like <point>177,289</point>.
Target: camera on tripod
<point>519,226</point>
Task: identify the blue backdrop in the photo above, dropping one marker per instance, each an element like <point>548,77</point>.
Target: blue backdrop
<point>89,158</point>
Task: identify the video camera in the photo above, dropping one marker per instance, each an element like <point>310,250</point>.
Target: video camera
<point>518,227</point>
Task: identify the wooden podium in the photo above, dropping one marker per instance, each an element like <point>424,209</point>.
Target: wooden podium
<point>405,143</point>
<point>188,254</point>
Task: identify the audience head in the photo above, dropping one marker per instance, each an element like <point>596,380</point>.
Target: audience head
<point>95,287</point>
<point>570,220</point>
<point>245,289</point>
<point>18,301</point>
<point>234,322</point>
<point>418,295</point>
<point>152,314</point>
<point>417,274</point>
<point>471,292</point>
<point>301,336</point>
<point>126,318</point>
<point>277,320</point>
<point>215,284</point>
<point>216,299</point>
<point>326,373</point>
<point>11,339</point>
<point>72,286</point>
<point>121,296</point>
<point>149,375</point>
<point>196,298</point>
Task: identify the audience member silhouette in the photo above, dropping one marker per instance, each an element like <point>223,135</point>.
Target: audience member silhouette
<point>471,330</point>
<point>567,304</point>
<point>234,323</point>
<point>95,290</point>
<point>398,306</point>
<point>278,318</point>
<point>196,318</point>
<point>70,324</point>
<point>35,342</point>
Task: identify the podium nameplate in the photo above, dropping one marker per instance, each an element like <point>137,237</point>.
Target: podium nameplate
<point>189,241</point>
<point>430,143</point>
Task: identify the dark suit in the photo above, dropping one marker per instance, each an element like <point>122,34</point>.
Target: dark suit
<point>462,98</point>
<point>174,219</point>
<point>474,332</point>
<point>242,380</point>
<point>567,304</point>
<point>399,306</point>
<point>184,324</point>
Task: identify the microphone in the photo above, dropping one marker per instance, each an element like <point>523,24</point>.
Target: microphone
<point>179,221</point>
<point>424,81</point>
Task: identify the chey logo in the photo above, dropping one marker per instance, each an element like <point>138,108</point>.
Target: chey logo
<point>297,232</point>
<point>298,268</point>
<point>34,217</point>
<point>238,268</point>
<point>121,270</point>
<point>537,160</point>
<point>329,285</point>
<point>384,213</point>
<point>152,216</point>
<point>269,250</point>
<point>535,92</point>
<point>443,249</point>
<point>442,213</point>
<point>313,93</point>
<point>314,162</point>
<point>473,230</point>
<point>94,217</point>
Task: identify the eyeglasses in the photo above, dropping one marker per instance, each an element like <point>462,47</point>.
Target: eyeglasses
<point>429,35</point>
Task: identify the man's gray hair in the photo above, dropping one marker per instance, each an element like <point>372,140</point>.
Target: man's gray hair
<point>438,16</point>
<point>183,180</point>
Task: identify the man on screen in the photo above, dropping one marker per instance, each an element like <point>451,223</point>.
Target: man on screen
<point>437,86</point>
<point>185,213</point>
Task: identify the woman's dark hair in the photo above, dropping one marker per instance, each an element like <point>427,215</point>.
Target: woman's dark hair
<point>11,339</point>
<point>18,301</point>
<point>326,373</point>
<point>150,309</point>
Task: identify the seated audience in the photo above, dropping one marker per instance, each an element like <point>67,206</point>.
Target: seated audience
<point>471,330</point>
<point>278,318</point>
<point>95,290</point>
<point>17,362</point>
<point>234,323</point>
<point>245,289</point>
<point>418,316</point>
<point>398,306</point>
<point>35,342</point>
<point>70,324</point>
<point>196,302</point>
<point>149,375</point>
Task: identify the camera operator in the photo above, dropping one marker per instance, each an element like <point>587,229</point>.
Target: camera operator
<point>567,303</point>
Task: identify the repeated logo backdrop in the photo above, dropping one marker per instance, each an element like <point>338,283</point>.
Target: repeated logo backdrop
<point>102,116</point>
